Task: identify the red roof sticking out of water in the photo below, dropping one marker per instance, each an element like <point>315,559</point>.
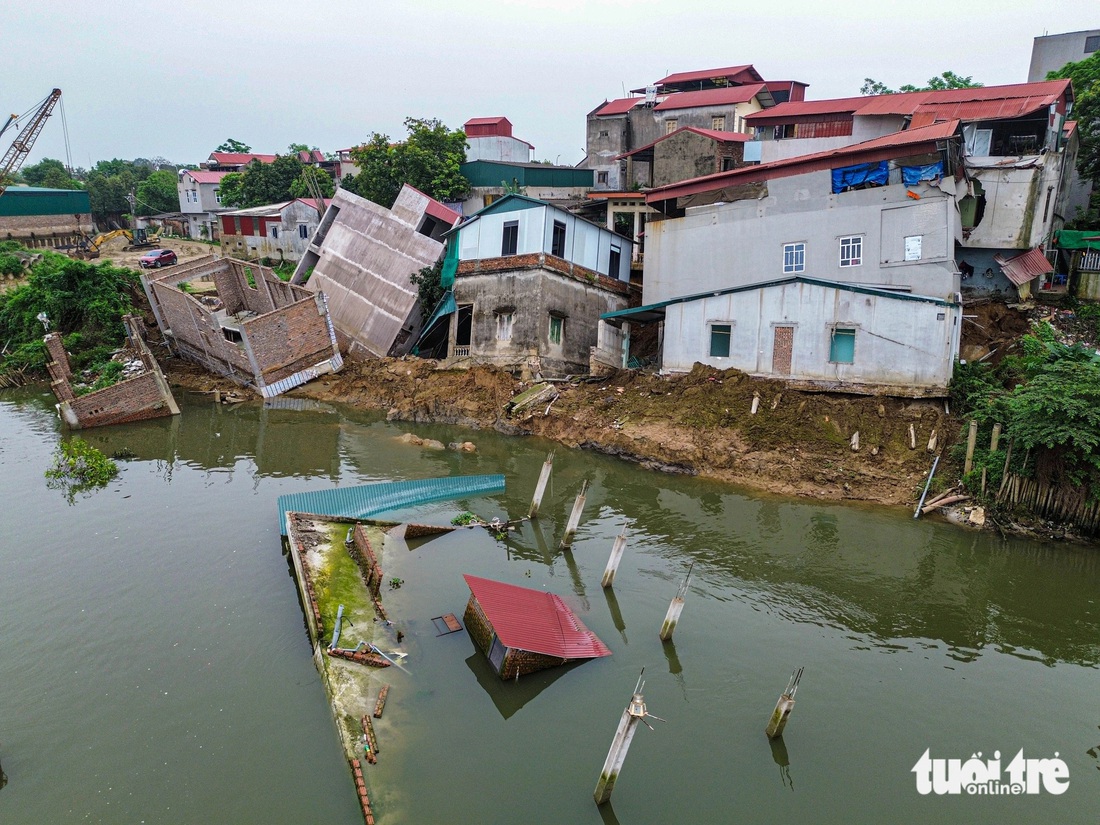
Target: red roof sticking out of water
<point>535,621</point>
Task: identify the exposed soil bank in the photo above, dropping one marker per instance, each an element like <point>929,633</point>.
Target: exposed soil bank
<point>700,423</point>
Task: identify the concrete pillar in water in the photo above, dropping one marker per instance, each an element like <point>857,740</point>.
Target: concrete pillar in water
<point>635,712</point>
<point>614,559</point>
<point>994,442</point>
<point>540,488</point>
<point>672,617</point>
<point>783,707</point>
<point>574,517</point>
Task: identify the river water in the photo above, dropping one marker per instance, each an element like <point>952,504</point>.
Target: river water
<point>154,664</point>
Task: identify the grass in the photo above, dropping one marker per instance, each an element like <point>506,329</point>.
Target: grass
<point>340,582</point>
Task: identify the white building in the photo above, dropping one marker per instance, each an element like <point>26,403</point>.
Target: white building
<point>835,270</point>
<point>201,201</point>
<point>279,231</point>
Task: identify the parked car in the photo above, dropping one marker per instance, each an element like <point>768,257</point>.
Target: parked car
<point>157,258</point>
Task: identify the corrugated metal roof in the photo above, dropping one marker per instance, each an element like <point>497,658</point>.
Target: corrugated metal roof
<point>802,108</point>
<point>656,312</point>
<point>806,163</point>
<point>619,106</point>
<point>1010,100</point>
<point>535,621</point>
<point>35,200</point>
<point>370,499</point>
<point>1026,267</point>
<point>487,121</point>
<point>729,96</point>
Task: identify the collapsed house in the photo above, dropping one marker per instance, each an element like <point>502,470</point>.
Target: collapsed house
<point>522,630</point>
<point>241,321</point>
<point>363,256</point>
<point>143,393</point>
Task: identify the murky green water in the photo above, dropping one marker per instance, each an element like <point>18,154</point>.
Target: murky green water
<point>154,665</point>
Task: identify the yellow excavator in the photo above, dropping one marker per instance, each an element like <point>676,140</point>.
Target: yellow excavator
<point>89,248</point>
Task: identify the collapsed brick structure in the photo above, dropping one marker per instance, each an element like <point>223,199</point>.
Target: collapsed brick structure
<point>145,395</point>
<point>521,630</point>
<point>240,320</point>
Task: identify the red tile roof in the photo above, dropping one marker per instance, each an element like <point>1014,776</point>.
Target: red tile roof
<point>1024,268</point>
<point>743,73</point>
<point>730,95</point>
<point>619,106</point>
<point>234,158</point>
<point>980,103</point>
<point>535,621</point>
<point>203,176</point>
<point>867,151</point>
<point>713,134</point>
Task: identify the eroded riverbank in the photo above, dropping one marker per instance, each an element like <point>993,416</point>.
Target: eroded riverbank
<point>697,424</point>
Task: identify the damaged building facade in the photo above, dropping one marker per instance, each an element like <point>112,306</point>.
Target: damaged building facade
<point>1020,153</point>
<point>830,271</point>
<point>527,283</point>
<point>142,394</point>
<point>239,320</point>
<point>363,256</point>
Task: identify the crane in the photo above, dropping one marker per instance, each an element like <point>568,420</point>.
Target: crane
<point>21,146</point>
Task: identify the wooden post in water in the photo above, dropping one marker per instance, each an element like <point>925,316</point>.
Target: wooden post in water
<point>540,488</point>
<point>635,712</point>
<point>574,517</point>
<point>614,559</point>
<point>783,707</point>
<point>971,443</point>
<point>993,442</point>
<point>675,608</point>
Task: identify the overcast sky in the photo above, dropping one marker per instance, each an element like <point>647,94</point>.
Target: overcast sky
<point>176,79</point>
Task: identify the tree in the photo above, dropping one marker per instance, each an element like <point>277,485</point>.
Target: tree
<point>428,159</point>
<point>1085,76</point>
<point>232,145</point>
<point>300,189</point>
<point>262,183</point>
<point>230,189</point>
<point>49,173</point>
<point>947,80</point>
<point>157,193</point>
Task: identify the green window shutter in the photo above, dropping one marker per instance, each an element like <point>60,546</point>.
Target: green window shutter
<point>842,347</point>
<point>720,340</point>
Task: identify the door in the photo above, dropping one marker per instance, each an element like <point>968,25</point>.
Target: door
<point>782,347</point>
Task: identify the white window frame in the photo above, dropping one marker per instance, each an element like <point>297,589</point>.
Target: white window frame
<point>505,322</point>
<point>711,329</point>
<point>851,251</point>
<point>718,123</point>
<point>670,125</point>
<point>217,195</point>
<point>794,257</point>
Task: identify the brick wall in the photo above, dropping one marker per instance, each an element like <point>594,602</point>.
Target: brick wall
<point>135,399</point>
<point>45,231</point>
<point>289,340</point>
<point>522,662</point>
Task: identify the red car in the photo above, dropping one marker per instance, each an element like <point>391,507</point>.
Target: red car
<point>157,258</point>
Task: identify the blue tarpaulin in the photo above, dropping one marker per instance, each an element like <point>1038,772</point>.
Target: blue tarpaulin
<point>911,175</point>
<point>848,176</point>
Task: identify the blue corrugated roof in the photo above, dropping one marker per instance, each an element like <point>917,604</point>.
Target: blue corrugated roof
<point>370,499</point>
